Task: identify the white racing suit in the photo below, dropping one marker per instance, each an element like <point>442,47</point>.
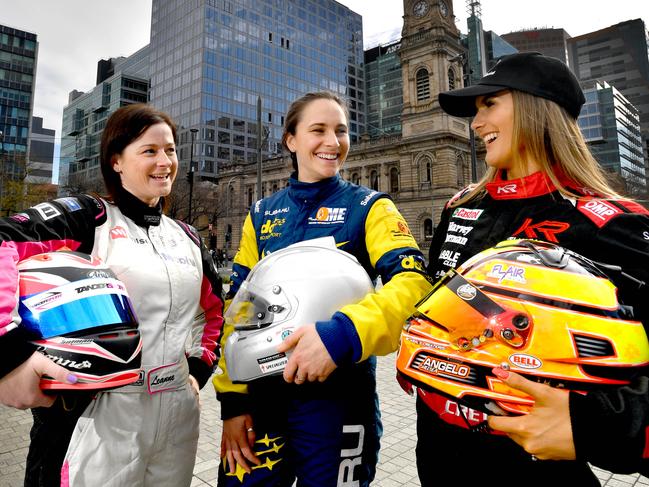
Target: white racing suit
<point>146,433</point>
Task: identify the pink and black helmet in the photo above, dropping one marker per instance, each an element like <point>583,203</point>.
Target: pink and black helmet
<point>80,316</point>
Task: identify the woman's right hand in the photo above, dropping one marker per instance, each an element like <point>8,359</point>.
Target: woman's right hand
<point>20,388</point>
<point>237,442</point>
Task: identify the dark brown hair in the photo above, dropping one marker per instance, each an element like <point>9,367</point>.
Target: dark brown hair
<point>295,111</point>
<point>124,126</point>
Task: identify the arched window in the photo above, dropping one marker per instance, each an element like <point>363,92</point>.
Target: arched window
<point>230,196</point>
<point>451,79</point>
<point>394,180</point>
<point>423,84</point>
<point>356,178</point>
<point>275,188</point>
<point>426,169</point>
<point>428,228</point>
<point>374,180</point>
<point>251,193</point>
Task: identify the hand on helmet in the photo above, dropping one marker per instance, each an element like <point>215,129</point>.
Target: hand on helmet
<point>21,387</point>
<point>237,442</point>
<point>545,432</point>
<point>310,360</point>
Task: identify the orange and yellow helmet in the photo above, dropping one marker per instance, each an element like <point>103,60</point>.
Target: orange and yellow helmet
<point>532,307</point>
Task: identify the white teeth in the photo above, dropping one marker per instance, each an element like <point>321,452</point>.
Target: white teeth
<point>330,157</point>
<point>490,137</point>
<point>160,176</point>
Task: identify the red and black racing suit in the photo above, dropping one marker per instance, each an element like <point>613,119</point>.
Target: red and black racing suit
<point>609,429</point>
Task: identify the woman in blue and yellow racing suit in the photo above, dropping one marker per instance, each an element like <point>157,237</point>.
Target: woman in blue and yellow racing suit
<point>321,421</point>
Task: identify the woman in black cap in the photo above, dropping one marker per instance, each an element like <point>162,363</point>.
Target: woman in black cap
<point>542,183</point>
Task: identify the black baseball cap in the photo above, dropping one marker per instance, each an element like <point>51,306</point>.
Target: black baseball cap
<point>529,72</point>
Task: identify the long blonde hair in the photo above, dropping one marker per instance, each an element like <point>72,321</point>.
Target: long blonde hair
<point>552,139</point>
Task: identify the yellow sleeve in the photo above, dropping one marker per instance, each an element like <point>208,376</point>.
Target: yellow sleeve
<point>245,259</point>
<point>394,253</point>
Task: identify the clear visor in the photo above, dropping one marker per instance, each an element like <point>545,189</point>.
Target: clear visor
<point>254,308</point>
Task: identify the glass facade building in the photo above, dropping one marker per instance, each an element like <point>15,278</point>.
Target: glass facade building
<point>212,59</point>
<point>611,126</point>
<point>41,153</point>
<point>85,115</point>
<point>18,55</point>
<point>384,90</point>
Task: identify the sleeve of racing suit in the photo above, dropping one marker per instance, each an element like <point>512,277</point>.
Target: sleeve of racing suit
<point>611,427</point>
<point>66,222</point>
<point>234,397</point>
<point>373,326</point>
<point>439,234</point>
<point>208,323</point>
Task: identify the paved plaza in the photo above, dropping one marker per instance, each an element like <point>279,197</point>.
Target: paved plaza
<point>396,465</point>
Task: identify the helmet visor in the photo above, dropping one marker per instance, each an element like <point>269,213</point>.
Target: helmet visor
<point>253,307</point>
<point>77,306</point>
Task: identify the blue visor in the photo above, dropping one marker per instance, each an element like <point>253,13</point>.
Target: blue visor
<point>80,314</point>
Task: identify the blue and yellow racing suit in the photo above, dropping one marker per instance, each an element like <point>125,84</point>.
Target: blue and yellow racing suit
<point>326,434</point>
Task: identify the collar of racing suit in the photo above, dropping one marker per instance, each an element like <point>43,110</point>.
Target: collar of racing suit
<point>312,192</point>
<point>536,184</point>
<point>138,211</point>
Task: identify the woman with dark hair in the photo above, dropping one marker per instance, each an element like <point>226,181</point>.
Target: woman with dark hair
<point>321,422</point>
<point>541,183</point>
<point>139,434</point>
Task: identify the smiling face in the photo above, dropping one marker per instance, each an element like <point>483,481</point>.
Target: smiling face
<point>148,165</point>
<point>320,141</point>
<point>494,124</point>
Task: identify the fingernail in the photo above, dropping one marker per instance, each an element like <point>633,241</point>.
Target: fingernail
<point>500,373</point>
<point>72,379</point>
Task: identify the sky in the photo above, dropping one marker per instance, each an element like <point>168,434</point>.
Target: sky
<point>74,34</point>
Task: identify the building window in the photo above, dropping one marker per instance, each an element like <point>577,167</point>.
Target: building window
<point>394,180</point>
<point>374,180</point>
<point>423,84</point>
<point>250,196</point>
<point>428,228</point>
<point>426,169</point>
<point>451,79</point>
<point>356,178</point>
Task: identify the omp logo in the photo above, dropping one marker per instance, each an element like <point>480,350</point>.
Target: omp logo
<point>467,214</point>
<point>507,273</point>
<point>600,209</point>
<point>507,189</point>
<point>118,232</point>
<point>525,361</point>
<point>436,366</point>
<point>326,215</point>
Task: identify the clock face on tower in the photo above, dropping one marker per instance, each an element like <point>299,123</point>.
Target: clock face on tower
<point>443,9</point>
<point>420,9</point>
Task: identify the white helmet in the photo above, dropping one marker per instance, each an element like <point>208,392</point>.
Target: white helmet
<point>298,285</point>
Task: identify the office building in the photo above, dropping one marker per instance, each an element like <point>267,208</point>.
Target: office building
<point>548,41</point>
<point>384,89</point>
<point>618,55</point>
<point>495,48</point>
<point>611,126</point>
<point>18,56</point>
<point>41,153</point>
<point>212,59</point>
<point>123,81</point>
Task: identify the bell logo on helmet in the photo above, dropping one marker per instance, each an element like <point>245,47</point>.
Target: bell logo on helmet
<point>466,292</point>
<point>525,361</point>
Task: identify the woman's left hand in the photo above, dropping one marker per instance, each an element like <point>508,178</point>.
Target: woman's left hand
<point>310,360</point>
<point>193,384</point>
<point>546,432</point>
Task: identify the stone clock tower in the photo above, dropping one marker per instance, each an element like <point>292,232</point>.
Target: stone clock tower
<point>430,49</point>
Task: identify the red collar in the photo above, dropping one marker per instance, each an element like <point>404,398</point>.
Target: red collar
<point>536,184</point>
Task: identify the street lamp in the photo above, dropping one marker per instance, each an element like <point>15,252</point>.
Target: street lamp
<point>190,174</point>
